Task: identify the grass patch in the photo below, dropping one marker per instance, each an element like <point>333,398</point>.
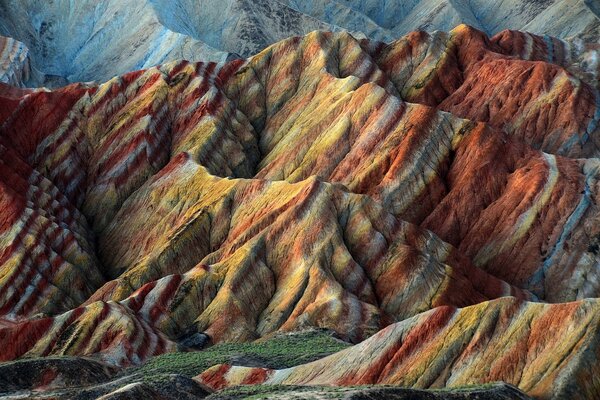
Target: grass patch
<point>254,392</point>
<point>281,351</point>
<point>496,391</point>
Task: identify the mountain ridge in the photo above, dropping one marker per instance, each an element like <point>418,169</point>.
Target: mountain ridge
<point>211,30</point>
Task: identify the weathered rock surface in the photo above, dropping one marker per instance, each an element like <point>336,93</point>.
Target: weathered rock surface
<point>326,182</point>
<point>109,331</point>
<point>90,40</point>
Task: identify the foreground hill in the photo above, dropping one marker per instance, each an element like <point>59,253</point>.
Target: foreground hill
<point>326,182</point>
<point>504,340</point>
<point>96,40</point>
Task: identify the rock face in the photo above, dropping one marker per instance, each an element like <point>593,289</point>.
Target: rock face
<point>90,40</point>
<point>111,332</point>
<point>326,182</point>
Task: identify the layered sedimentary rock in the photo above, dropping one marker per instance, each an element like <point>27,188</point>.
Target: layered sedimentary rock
<point>395,18</point>
<point>90,40</point>
<point>576,55</point>
<point>325,182</point>
<point>110,331</point>
<point>504,340</point>
<point>290,256</point>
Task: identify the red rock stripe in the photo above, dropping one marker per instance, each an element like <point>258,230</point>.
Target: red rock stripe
<point>133,166</point>
<point>179,67</point>
<point>51,147</point>
<point>216,378</point>
<point>144,349</point>
<point>102,315</point>
<point>161,305</point>
<point>137,333</point>
<point>137,299</point>
<point>72,317</point>
<point>17,341</point>
<point>118,87</point>
<point>228,70</point>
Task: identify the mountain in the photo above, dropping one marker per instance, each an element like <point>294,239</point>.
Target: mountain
<point>327,182</point>
<point>89,40</point>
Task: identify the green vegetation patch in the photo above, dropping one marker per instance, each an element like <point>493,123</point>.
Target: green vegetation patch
<point>491,391</point>
<point>255,392</point>
<point>282,351</point>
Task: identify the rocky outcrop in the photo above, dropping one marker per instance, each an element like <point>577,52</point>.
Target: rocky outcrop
<point>87,40</point>
<point>84,379</point>
<point>174,387</point>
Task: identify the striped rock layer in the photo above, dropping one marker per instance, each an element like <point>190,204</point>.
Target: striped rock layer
<point>325,182</point>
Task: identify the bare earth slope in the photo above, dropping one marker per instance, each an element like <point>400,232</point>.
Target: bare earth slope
<point>326,182</point>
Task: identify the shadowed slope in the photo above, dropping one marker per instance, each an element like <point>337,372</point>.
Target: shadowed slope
<point>498,391</point>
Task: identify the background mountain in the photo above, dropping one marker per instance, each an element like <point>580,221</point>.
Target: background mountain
<point>96,40</point>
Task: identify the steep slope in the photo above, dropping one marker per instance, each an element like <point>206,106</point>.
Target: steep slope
<point>90,40</point>
<point>505,340</point>
<point>126,130</point>
<point>325,182</point>
<point>578,57</point>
